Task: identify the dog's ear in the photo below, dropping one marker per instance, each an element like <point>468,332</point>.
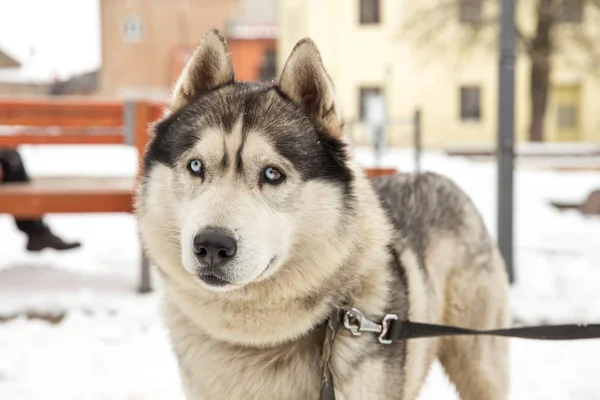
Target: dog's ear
<point>305,81</point>
<point>209,68</point>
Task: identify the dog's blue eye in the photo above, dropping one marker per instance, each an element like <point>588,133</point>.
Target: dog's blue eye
<point>273,176</point>
<point>195,167</point>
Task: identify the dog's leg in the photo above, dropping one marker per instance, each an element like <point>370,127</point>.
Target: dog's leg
<point>477,297</point>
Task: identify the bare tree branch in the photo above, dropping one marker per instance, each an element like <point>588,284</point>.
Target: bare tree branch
<point>523,41</point>
<point>588,46</point>
<point>429,26</point>
<point>425,24</point>
<point>436,30</point>
<point>432,32</point>
<point>592,3</point>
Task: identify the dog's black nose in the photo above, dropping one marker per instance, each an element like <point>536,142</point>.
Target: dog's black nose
<point>214,248</point>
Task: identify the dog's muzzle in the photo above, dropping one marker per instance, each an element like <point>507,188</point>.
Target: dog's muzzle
<point>214,248</point>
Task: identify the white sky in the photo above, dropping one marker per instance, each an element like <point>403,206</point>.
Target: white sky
<point>64,33</point>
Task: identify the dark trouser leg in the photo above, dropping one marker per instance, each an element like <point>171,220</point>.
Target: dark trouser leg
<point>13,170</point>
<point>40,237</point>
<point>30,226</point>
<point>12,166</point>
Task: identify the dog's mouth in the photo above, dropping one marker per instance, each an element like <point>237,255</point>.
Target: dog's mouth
<point>215,281</point>
<point>264,271</point>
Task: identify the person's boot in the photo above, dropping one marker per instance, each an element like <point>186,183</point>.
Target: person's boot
<point>46,239</point>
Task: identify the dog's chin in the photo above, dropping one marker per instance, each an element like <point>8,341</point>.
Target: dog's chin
<point>216,283</point>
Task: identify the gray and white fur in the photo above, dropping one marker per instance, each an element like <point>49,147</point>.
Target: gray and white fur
<point>261,223</point>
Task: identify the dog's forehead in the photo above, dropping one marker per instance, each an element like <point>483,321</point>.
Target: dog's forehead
<point>236,148</point>
<point>262,111</point>
<point>237,112</point>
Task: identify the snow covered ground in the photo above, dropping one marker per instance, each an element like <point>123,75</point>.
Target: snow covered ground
<point>112,345</point>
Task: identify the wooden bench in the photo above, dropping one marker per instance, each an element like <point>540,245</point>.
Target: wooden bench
<point>67,195</point>
<point>74,121</point>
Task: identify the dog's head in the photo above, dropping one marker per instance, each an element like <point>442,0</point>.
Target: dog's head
<point>242,179</point>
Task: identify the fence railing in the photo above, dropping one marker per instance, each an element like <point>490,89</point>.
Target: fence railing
<point>399,132</point>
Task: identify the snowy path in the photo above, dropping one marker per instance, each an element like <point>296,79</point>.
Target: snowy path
<point>122,352</point>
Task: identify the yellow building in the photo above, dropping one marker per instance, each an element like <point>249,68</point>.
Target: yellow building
<point>369,48</point>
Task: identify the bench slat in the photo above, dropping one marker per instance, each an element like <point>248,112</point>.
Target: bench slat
<point>67,195</point>
<point>13,141</point>
<point>60,112</point>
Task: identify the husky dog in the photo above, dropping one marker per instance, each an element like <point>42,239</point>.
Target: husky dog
<point>261,223</point>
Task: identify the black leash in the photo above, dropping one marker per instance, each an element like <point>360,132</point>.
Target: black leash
<point>401,330</point>
<point>391,329</point>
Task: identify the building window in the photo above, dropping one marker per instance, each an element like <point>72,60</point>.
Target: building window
<point>132,29</point>
<point>470,11</point>
<point>269,65</point>
<point>365,94</point>
<point>566,116</point>
<point>470,103</point>
<point>369,11</point>
<point>571,11</point>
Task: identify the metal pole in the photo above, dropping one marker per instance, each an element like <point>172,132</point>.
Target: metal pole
<point>145,281</point>
<point>129,122</point>
<point>417,140</point>
<point>136,118</point>
<point>506,127</point>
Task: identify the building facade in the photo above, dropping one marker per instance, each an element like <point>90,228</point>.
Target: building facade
<point>370,49</point>
<point>252,39</point>
<point>143,42</point>
<point>146,43</point>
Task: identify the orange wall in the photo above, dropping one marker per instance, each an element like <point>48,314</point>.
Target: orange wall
<point>179,57</point>
<point>145,66</point>
<point>247,56</point>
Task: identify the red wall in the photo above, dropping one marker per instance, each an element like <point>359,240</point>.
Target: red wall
<point>247,56</point>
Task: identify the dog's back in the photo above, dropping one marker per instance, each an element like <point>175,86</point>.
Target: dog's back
<point>455,276</point>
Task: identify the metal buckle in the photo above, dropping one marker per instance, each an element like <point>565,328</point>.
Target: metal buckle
<point>385,325</point>
<point>356,322</point>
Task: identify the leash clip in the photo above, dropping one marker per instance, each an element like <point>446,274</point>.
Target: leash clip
<point>356,322</point>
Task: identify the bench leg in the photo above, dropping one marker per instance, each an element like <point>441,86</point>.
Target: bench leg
<point>145,285</point>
